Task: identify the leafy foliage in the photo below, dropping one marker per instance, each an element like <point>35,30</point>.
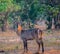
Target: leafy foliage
<point>6,5</point>
<point>31,9</point>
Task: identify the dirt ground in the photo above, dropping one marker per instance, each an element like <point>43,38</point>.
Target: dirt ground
<point>10,43</point>
<point>29,52</point>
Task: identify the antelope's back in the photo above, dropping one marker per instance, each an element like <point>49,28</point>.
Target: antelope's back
<point>29,34</point>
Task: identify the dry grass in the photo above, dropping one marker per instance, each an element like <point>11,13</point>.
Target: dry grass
<point>32,44</point>
<point>8,33</point>
<point>51,32</point>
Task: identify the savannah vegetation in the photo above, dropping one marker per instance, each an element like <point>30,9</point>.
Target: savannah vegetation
<point>29,11</point>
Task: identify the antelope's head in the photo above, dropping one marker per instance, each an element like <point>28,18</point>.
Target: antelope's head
<point>19,29</point>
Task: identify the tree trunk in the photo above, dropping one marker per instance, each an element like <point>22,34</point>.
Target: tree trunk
<point>5,21</point>
<point>50,23</point>
<point>57,21</point>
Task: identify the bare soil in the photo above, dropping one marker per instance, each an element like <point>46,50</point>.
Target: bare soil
<point>10,43</point>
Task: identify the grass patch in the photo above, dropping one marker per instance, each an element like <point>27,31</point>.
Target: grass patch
<point>7,47</point>
<point>48,44</point>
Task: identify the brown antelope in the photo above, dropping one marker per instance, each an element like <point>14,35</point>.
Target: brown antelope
<point>31,34</point>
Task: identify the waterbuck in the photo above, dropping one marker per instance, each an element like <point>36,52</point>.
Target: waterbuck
<point>31,34</point>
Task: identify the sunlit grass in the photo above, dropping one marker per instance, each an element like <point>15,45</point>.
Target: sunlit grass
<point>10,47</point>
<point>47,43</point>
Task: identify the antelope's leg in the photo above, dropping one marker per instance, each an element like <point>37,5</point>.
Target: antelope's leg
<point>38,42</point>
<point>38,47</point>
<point>25,45</point>
<point>42,46</point>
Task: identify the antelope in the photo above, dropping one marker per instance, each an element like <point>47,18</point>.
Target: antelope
<point>31,34</point>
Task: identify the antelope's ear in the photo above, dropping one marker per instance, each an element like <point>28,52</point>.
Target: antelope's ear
<point>19,28</point>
